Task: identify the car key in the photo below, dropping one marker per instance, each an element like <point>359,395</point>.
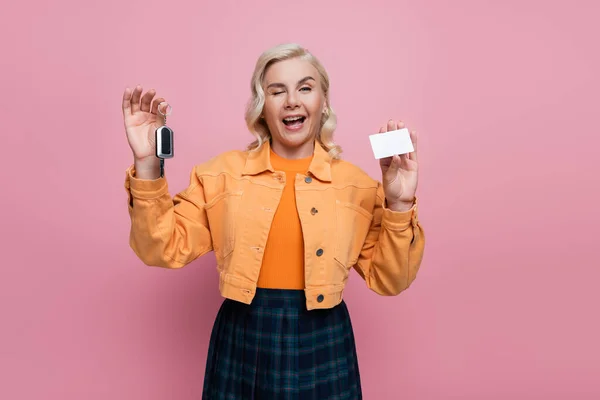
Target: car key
<point>164,138</point>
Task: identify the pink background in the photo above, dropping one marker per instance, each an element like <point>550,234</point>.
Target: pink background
<point>504,95</point>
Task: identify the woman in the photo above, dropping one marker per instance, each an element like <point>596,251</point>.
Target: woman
<point>287,220</point>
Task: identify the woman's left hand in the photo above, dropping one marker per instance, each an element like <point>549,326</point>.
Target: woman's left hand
<point>399,173</point>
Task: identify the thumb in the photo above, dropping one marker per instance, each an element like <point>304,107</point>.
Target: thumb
<point>392,170</point>
<point>396,162</point>
<point>163,110</point>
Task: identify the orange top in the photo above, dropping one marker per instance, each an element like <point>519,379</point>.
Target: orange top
<point>283,260</point>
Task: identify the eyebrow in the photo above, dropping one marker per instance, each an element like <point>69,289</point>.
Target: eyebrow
<point>300,82</point>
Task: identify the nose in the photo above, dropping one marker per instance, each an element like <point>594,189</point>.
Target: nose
<point>291,100</point>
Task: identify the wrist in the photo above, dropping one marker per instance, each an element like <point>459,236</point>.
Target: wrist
<point>148,168</point>
<point>400,206</point>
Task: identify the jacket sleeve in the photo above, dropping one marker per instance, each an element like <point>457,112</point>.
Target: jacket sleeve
<point>393,249</point>
<point>167,232</point>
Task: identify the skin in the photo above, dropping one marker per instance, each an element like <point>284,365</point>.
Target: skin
<point>141,119</point>
<point>292,87</point>
<point>399,173</point>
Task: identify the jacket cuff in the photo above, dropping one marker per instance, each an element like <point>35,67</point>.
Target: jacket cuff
<point>400,220</point>
<point>144,188</point>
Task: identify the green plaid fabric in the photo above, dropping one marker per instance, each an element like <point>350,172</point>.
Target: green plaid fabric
<point>276,349</point>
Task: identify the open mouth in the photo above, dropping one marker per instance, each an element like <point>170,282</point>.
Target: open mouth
<point>294,122</point>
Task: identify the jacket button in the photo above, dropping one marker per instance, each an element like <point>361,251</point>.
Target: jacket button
<point>313,211</point>
<point>319,252</point>
<point>320,298</point>
<point>308,179</point>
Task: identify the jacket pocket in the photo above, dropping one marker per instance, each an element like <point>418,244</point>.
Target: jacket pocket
<point>221,212</point>
<point>352,226</point>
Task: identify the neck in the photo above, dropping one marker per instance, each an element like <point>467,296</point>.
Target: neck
<point>293,153</point>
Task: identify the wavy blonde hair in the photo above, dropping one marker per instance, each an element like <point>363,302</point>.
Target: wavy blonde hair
<point>258,126</point>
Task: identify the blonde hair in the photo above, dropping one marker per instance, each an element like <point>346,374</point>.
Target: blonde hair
<point>258,126</point>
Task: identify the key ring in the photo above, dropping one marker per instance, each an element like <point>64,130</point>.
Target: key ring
<point>169,107</point>
<point>164,138</point>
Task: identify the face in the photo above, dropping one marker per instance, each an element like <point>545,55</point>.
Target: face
<point>294,105</point>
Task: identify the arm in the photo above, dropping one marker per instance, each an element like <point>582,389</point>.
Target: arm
<point>167,232</point>
<point>392,252</point>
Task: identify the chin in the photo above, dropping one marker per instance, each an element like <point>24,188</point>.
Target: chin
<point>296,139</point>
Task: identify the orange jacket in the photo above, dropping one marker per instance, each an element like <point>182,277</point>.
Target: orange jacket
<point>228,208</point>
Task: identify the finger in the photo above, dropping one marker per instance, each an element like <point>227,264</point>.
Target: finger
<point>127,102</point>
<point>403,157</point>
<point>164,108</point>
<point>394,165</point>
<point>384,162</point>
<point>147,99</point>
<point>413,137</point>
<point>157,101</point>
<point>391,125</point>
<point>397,160</point>
<point>135,99</point>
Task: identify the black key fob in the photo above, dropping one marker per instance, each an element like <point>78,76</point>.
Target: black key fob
<point>164,142</point>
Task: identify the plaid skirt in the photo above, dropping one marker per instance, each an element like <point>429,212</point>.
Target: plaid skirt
<point>275,349</point>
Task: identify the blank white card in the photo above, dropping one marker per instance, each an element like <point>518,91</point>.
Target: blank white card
<point>389,143</point>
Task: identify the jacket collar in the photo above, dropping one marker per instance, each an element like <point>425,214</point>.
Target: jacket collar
<point>260,161</point>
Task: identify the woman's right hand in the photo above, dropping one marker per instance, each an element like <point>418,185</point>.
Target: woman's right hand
<point>141,121</point>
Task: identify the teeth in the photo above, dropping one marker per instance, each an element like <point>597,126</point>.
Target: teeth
<point>291,119</point>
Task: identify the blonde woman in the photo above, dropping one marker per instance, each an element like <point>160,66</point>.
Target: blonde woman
<point>287,220</point>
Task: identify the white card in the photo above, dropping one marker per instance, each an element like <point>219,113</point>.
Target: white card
<point>389,143</point>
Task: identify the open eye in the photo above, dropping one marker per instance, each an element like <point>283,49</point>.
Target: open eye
<point>306,88</point>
